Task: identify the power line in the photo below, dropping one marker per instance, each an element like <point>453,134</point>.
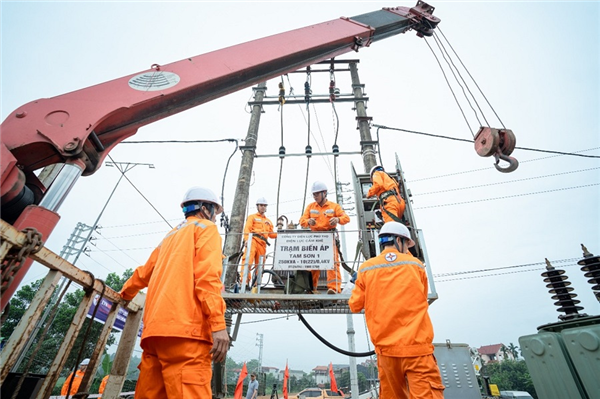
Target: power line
<point>505,182</point>
<point>471,141</point>
<point>499,274</point>
<point>505,267</point>
<point>508,196</point>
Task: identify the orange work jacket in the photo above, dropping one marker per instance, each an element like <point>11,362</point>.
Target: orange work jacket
<point>183,276</point>
<point>103,385</point>
<point>392,289</point>
<point>322,216</point>
<point>258,224</point>
<point>76,383</point>
<point>382,182</point>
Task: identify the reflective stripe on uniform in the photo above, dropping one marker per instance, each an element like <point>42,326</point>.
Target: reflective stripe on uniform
<point>385,265</point>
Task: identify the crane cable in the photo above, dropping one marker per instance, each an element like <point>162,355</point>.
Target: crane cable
<point>473,79</point>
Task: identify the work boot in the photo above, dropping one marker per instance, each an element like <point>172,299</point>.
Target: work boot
<point>331,292</point>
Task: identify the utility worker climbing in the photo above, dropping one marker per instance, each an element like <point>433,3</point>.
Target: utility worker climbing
<point>77,377</point>
<point>262,229</point>
<point>184,322</point>
<point>392,289</point>
<point>324,215</point>
<point>387,190</point>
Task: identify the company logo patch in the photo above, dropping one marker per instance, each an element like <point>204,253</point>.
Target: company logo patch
<point>390,257</point>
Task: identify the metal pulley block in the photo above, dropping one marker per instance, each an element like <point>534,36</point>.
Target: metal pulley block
<point>497,142</point>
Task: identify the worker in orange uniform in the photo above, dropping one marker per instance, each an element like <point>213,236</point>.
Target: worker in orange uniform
<point>262,229</point>
<point>103,384</point>
<point>387,190</point>
<point>77,377</point>
<point>392,289</point>
<point>324,215</point>
<point>184,322</point>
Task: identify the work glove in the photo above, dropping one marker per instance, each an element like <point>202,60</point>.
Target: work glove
<point>354,277</point>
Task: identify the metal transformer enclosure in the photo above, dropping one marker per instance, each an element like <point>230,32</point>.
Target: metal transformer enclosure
<point>564,359</point>
<point>458,373</point>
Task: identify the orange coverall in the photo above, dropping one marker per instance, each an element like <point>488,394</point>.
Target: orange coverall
<point>256,224</point>
<point>78,375</point>
<point>183,308</point>
<point>103,384</point>
<point>322,216</point>
<point>392,289</point>
<point>382,182</point>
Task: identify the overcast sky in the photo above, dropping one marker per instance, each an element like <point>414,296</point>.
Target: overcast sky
<point>537,64</point>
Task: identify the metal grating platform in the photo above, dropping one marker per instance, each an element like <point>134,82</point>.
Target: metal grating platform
<point>279,303</point>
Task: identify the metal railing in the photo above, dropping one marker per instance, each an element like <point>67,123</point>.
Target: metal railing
<point>14,244</point>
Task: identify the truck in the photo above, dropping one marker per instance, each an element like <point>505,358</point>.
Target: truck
<point>77,130</point>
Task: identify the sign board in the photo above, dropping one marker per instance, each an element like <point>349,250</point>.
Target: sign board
<point>102,314</point>
<point>494,390</point>
<point>304,250</point>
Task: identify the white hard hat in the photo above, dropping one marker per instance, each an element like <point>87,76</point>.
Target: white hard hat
<point>84,362</point>
<point>202,194</point>
<point>396,229</point>
<point>262,201</point>
<point>374,168</point>
<point>318,186</point>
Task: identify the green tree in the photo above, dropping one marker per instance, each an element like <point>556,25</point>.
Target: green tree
<point>514,350</point>
<point>510,375</point>
<point>344,382</point>
<point>115,282</point>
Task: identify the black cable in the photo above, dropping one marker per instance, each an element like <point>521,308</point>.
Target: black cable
<point>330,345</point>
<point>471,141</point>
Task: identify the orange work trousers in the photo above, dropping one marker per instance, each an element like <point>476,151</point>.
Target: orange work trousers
<point>256,251</point>
<point>391,205</point>
<point>174,368</point>
<point>334,277</point>
<point>409,378</point>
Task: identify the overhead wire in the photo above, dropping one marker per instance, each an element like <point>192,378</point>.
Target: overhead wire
<point>307,97</point>
<point>504,182</point>
<point>508,196</point>
<point>140,193</point>
<point>575,154</point>
<point>281,148</point>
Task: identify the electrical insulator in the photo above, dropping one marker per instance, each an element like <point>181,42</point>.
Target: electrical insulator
<point>559,286</point>
<point>335,149</point>
<point>281,93</point>
<point>307,92</point>
<point>591,265</point>
<point>281,152</point>
<point>308,151</point>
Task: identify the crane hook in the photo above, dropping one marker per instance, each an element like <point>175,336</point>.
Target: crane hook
<point>497,142</point>
<point>513,164</point>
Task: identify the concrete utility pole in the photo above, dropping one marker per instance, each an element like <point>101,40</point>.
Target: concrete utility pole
<point>367,144</point>
<point>233,241</point>
<point>242,190</point>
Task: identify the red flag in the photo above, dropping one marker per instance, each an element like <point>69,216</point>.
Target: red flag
<point>334,387</point>
<point>239,388</point>
<point>286,376</point>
